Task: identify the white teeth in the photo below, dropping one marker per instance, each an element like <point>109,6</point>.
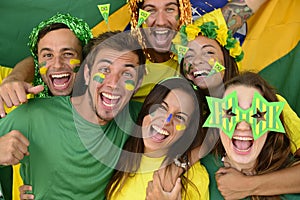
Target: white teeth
<point>161,32</point>
<point>60,75</point>
<point>58,85</point>
<point>201,73</point>
<point>108,105</point>
<point>242,138</point>
<point>113,97</point>
<point>160,131</point>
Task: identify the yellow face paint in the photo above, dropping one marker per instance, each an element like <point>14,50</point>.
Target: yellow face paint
<point>43,70</point>
<point>180,127</point>
<point>129,85</point>
<point>211,62</point>
<point>99,77</point>
<point>74,61</point>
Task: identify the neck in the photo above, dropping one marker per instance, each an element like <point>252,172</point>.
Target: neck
<point>247,169</point>
<point>158,57</point>
<point>83,106</point>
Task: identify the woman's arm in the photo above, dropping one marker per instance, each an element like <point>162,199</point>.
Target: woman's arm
<point>234,185</point>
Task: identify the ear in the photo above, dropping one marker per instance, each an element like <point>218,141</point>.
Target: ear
<point>86,74</point>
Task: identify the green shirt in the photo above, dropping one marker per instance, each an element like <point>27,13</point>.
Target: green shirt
<point>212,165</point>
<point>70,158</point>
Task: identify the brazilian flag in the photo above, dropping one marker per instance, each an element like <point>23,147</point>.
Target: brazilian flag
<point>272,48</point>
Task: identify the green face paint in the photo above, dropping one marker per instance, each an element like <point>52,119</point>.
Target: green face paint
<point>99,77</point>
<point>129,85</point>
<point>219,117</point>
<point>76,69</point>
<point>177,17</point>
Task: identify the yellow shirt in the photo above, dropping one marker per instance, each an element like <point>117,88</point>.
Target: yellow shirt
<point>155,72</point>
<point>135,186</point>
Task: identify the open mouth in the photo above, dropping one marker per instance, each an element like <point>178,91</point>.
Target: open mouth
<point>242,144</point>
<point>201,73</point>
<point>60,81</point>
<point>162,35</point>
<point>109,100</point>
<point>159,133</point>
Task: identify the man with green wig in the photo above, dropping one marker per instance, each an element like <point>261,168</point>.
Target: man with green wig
<point>56,46</point>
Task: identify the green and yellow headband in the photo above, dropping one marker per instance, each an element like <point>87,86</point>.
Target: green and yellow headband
<point>263,116</point>
<point>213,26</point>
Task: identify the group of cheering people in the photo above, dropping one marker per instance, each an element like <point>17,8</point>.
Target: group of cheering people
<point>124,117</point>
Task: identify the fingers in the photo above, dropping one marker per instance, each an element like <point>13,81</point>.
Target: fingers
<point>35,90</point>
<point>13,148</point>
<point>177,189</point>
<point>23,189</point>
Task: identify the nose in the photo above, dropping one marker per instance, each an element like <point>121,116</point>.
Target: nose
<point>161,19</point>
<point>243,126</point>
<point>112,81</point>
<point>168,118</point>
<point>197,60</point>
<point>58,62</point>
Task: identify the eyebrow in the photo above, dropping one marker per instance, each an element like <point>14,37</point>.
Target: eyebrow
<point>183,113</point>
<point>61,50</point>
<point>110,62</point>
<point>168,4</point>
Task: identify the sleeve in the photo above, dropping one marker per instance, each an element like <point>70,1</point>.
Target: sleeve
<point>292,122</point>
<point>18,119</point>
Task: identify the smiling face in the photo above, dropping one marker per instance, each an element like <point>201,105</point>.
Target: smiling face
<point>162,23</point>
<point>167,122</point>
<point>242,150</point>
<point>199,61</point>
<point>59,55</point>
<point>111,83</point>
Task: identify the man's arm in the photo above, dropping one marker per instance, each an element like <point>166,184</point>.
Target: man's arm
<point>234,185</point>
<point>15,86</point>
<point>237,12</point>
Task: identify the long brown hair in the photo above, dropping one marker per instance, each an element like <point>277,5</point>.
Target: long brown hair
<point>276,152</point>
<point>129,163</point>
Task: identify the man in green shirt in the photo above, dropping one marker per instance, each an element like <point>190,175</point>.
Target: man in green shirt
<point>75,141</point>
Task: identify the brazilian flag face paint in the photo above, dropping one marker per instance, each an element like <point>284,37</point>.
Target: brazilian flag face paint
<point>99,77</point>
<point>129,85</point>
<point>263,116</point>
<point>75,62</point>
<point>43,69</point>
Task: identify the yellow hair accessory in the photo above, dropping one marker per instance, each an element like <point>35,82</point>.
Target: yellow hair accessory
<point>213,26</point>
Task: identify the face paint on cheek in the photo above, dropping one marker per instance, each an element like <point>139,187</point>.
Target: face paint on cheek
<point>99,77</point>
<point>187,68</point>
<point>177,17</point>
<point>129,85</point>
<point>180,127</point>
<point>43,69</point>
<point>75,62</point>
<point>211,62</point>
